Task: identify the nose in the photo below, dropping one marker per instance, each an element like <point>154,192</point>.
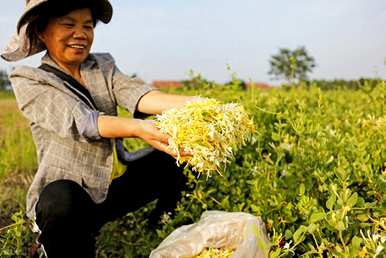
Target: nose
<point>80,33</point>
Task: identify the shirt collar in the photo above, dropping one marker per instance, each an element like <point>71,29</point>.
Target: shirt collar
<point>87,64</point>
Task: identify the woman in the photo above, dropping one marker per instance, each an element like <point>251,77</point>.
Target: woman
<point>85,178</point>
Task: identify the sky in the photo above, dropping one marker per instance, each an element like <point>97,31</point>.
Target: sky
<point>164,40</point>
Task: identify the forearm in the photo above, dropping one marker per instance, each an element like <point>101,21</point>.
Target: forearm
<point>155,102</point>
<point>117,127</point>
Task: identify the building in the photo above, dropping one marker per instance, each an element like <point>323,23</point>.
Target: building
<point>167,84</point>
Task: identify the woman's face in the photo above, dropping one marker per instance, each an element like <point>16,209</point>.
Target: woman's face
<point>69,38</point>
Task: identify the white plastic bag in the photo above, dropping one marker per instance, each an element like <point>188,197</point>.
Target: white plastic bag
<point>239,231</point>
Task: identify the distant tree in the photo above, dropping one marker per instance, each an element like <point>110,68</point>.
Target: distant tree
<point>291,65</point>
<point>4,81</point>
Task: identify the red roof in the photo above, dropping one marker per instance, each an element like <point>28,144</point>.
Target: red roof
<point>167,84</point>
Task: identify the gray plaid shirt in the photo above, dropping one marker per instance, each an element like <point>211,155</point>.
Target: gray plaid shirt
<point>65,130</point>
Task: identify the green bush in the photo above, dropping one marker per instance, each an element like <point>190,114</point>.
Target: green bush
<point>315,173</point>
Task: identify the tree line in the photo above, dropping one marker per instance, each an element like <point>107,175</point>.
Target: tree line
<point>5,84</point>
<point>292,66</point>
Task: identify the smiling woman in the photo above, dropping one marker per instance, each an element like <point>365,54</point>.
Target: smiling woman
<point>85,177</point>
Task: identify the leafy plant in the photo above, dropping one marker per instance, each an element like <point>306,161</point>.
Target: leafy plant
<point>315,173</point>
<point>14,237</point>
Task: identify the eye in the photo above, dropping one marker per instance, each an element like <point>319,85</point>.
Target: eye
<point>68,25</point>
<point>89,27</point>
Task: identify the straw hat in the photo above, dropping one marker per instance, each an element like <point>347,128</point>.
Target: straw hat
<point>21,46</point>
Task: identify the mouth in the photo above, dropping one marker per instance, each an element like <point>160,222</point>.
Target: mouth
<point>77,46</point>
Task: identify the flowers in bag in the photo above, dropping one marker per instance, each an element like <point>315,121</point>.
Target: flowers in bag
<point>207,129</point>
<point>215,253</point>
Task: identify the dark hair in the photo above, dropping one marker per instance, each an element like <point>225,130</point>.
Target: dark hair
<point>53,9</point>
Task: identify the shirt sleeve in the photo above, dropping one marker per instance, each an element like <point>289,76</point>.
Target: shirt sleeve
<point>128,91</point>
<point>55,110</point>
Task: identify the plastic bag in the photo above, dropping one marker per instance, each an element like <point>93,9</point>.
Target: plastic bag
<point>242,232</point>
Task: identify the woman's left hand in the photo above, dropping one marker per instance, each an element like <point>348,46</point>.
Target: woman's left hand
<point>148,131</point>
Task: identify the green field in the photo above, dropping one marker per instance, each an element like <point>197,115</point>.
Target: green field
<point>315,173</point>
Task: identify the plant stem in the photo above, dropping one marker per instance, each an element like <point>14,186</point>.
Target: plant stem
<point>12,225</point>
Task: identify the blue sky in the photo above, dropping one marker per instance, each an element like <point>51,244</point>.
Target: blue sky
<point>165,39</point>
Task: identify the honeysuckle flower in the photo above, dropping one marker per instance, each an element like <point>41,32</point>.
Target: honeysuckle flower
<point>215,253</point>
<point>209,130</point>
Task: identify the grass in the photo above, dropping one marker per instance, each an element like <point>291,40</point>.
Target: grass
<point>17,158</point>
<point>17,166</point>
<point>6,94</point>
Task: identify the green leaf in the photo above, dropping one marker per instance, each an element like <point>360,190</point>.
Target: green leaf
<point>331,201</point>
<point>255,208</point>
<point>276,137</point>
<point>340,226</point>
<point>315,217</point>
<point>352,200</point>
<point>288,233</point>
<point>299,234</point>
<point>302,189</point>
<point>312,228</point>
<point>363,217</point>
<point>356,243</point>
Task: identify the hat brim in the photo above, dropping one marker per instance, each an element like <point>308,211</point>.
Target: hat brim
<point>103,9</point>
<point>21,46</point>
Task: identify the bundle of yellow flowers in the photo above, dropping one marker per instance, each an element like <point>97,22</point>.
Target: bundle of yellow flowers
<point>207,129</point>
<point>215,253</point>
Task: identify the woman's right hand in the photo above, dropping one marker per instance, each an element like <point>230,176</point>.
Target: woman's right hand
<point>121,127</point>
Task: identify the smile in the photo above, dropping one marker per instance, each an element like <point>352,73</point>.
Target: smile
<point>77,46</point>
